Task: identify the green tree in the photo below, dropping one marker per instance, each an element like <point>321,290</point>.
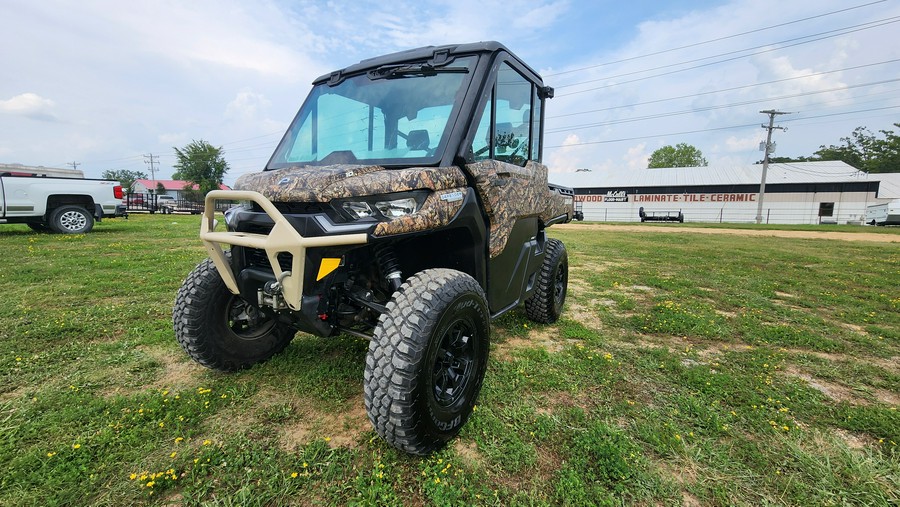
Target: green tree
<point>200,163</point>
<point>124,176</point>
<point>680,155</point>
<point>866,151</point>
<point>786,160</point>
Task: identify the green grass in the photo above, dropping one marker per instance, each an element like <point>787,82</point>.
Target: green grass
<point>696,369</point>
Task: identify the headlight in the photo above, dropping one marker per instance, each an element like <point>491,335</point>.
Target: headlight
<point>397,207</point>
<point>381,207</point>
<point>357,209</point>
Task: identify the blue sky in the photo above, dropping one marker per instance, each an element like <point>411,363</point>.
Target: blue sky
<point>102,83</point>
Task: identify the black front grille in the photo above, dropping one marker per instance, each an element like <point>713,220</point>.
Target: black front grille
<point>296,207</point>
<point>257,258</point>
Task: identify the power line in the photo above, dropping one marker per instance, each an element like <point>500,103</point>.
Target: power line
<point>280,132</point>
<point>608,141</point>
<point>610,85</point>
<point>718,39</point>
<point>709,108</point>
<point>840,114</point>
<point>713,129</point>
<point>873,24</point>
<point>734,88</point>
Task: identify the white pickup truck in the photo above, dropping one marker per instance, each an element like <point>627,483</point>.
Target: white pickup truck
<point>63,205</point>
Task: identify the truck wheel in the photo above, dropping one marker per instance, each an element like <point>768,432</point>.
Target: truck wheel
<point>220,330</point>
<point>71,220</point>
<point>546,304</point>
<point>427,359</point>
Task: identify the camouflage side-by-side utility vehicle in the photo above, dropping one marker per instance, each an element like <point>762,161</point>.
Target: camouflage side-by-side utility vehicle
<point>406,204</point>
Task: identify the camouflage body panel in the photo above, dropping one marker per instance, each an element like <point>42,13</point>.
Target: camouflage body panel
<point>558,205</point>
<point>322,184</point>
<point>510,192</point>
<point>437,211</point>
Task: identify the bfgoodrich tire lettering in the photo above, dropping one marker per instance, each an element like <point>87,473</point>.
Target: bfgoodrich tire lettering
<point>71,220</point>
<point>220,330</point>
<point>427,359</point>
<point>546,304</point>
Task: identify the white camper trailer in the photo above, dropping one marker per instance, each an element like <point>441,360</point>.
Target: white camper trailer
<point>887,213</point>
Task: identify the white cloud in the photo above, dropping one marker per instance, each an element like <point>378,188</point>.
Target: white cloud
<point>173,139</point>
<point>542,16</point>
<point>247,105</point>
<point>30,105</point>
<point>747,143</point>
<point>637,157</point>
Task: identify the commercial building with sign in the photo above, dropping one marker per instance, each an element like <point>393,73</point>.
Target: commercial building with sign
<point>795,193</point>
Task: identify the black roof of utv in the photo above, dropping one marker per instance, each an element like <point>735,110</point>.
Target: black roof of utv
<point>435,53</point>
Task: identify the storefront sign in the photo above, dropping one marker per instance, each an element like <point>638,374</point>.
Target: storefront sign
<point>617,196</point>
<point>621,196</point>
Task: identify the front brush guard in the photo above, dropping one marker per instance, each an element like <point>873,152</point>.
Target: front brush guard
<point>282,238</point>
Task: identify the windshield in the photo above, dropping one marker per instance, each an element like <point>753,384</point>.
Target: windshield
<point>390,116</point>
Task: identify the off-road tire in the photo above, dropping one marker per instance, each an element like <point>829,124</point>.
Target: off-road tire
<point>427,359</point>
<point>71,220</point>
<point>546,304</point>
<point>210,329</point>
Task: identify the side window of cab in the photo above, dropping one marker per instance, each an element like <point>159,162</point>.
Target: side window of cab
<point>514,133</point>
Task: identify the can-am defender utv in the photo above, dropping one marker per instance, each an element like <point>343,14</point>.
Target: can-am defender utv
<point>406,204</point>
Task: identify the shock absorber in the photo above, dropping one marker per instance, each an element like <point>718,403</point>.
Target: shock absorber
<point>390,268</point>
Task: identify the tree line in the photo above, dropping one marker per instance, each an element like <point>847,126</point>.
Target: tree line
<point>862,149</point>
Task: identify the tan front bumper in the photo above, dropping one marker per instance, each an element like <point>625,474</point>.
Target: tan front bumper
<point>282,238</point>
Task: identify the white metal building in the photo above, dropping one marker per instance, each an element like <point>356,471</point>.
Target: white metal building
<point>795,193</point>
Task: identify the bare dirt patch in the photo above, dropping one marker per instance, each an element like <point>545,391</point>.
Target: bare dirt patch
<point>178,369</point>
<point>887,397</point>
<point>468,451</point>
<point>832,390</point>
<point>853,440</point>
<point>537,338</point>
<point>684,471</point>
<point>891,364</point>
<point>343,427</point>
<point>578,284</point>
<point>586,315</point>
<point>555,401</point>
<point>843,236</point>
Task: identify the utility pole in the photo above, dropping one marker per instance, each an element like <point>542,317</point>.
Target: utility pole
<point>152,160</point>
<point>74,165</point>
<point>762,184</point>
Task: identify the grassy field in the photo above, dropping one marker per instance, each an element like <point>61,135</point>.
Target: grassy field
<point>689,369</point>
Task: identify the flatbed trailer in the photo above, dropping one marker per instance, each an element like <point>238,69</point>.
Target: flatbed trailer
<point>660,216</point>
